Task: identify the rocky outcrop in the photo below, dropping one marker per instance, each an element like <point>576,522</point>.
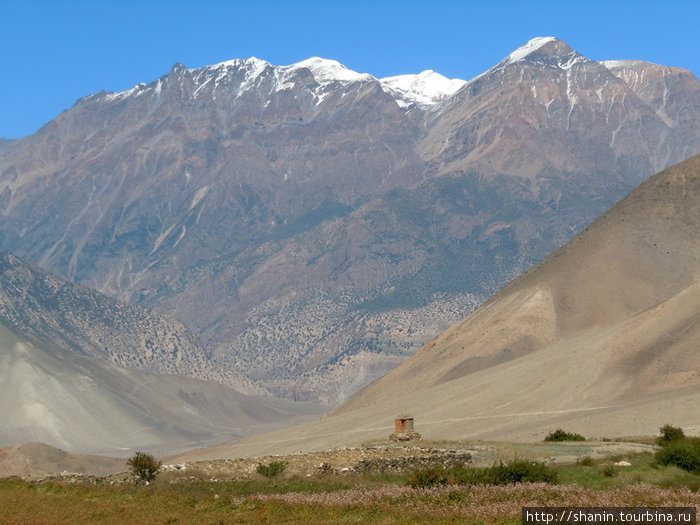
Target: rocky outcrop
<point>443,458</point>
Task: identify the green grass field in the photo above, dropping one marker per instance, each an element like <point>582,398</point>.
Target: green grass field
<point>345,498</point>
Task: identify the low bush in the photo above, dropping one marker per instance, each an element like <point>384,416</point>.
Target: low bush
<point>684,453</point>
<point>514,471</point>
<point>585,461</point>
<point>144,466</point>
<point>669,434</point>
<point>523,471</point>
<point>272,470</point>
<point>428,477</point>
<point>561,435</point>
<point>608,470</point>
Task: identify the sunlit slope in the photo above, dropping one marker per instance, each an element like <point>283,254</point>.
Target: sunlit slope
<point>638,260</point>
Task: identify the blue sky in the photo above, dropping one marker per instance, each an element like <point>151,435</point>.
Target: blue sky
<point>54,52</point>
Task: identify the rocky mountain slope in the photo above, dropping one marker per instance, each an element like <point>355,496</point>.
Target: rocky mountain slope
<point>600,338</point>
<point>76,319</point>
<point>314,226</point>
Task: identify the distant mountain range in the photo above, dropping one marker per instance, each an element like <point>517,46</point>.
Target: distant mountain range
<point>314,226</point>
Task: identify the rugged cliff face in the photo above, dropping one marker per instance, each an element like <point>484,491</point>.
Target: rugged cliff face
<point>315,226</point>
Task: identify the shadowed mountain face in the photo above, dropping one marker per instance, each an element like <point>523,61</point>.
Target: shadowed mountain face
<point>83,404</point>
<point>314,227</point>
<point>76,319</point>
<point>600,338</point>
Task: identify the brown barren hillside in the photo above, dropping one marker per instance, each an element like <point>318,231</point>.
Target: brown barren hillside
<point>602,338</point>
<point>31,459</point>
<point>628,269</point>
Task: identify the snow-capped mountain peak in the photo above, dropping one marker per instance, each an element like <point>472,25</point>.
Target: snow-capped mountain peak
<point>532,46</point>
<point>248,63</point>
<point>425,89</point>
<point>545,51</point>
<point>326,70</point>
<point>254,66</point>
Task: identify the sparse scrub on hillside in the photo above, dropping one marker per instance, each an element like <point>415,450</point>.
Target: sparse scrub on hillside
<point>608,470</point>
<point>428,477</point>
<point>585,461</point>
<point>561,435</point>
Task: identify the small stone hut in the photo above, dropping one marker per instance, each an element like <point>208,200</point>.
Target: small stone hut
<point>403,424</point>
<point>403,429</point>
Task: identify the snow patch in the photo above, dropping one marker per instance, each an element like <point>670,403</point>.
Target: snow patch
<point>425,89</point>
<point>161,238</point>
<point>182,234</point>
<point>198,196</point>
<point>137,90</point>
<point>573,60</point>
<point>613,64</point>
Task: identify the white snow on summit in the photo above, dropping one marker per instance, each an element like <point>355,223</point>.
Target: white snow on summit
<point>325,70</point>
<point>532,46</point>
<point>253,64</point>
<point>563,57</point>
<point>425,89</point>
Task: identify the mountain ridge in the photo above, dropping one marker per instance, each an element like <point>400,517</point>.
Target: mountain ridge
<point>314,235</point>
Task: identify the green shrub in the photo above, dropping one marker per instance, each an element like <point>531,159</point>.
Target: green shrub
<point>472,476</point>
<point>669,434</point>
<point>560,435</point>
<point>514,471</point>
<point>684,453</point>
<point>523,471</point>
<point>609,470</point>
<point>428,477</point>
<point>272,470</point>
<point>585,461</point>
<point>144,466</point>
